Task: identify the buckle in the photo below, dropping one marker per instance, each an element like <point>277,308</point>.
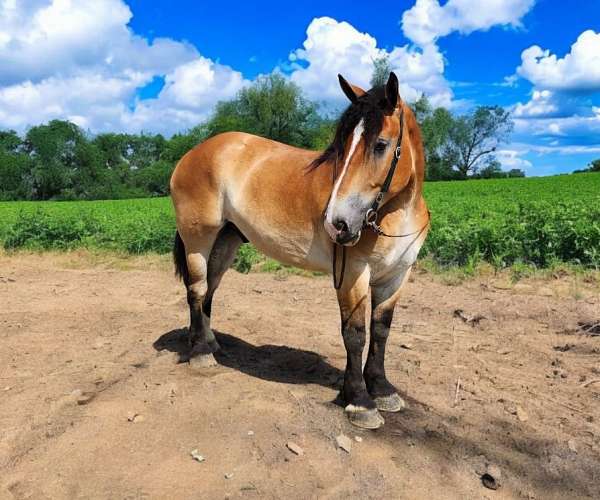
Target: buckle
<point>398,152</point>
<point>371,217</point>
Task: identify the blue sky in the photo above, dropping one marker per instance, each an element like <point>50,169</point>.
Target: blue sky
<point>161,66</point>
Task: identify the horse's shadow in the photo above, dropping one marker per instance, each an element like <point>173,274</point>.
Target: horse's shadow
<point>421,425</point>
<point>275,363</point>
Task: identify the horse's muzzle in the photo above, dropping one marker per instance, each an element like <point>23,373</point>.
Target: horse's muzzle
<point>340,234</point>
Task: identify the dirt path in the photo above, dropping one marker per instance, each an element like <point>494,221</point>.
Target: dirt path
<point>85,348</point>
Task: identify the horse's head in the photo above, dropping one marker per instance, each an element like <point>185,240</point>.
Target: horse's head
<point>362,150</point>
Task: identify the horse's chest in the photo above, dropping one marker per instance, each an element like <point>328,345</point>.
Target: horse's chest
<point>396,253</point>
<point>403,252</point>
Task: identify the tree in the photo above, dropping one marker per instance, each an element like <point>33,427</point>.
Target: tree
<point>10,142</point>
<point>51,148</point>
<point>180,144</point>
<point>516,172</point>
<point>435,130</point>
<point>492,170</point>
<point>272,107</point>
<point>381,71</point>
<point>422,109</point>
<point>594,166</point>
<point>474,137</point>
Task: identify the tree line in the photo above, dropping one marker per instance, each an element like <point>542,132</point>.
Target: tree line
<point>60,161</point>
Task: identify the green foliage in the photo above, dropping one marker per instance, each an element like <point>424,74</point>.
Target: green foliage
<point>132,226</point>
<point>473,137</point>
<point>459,146</point>
<point>58,161</point>
<point>594,166</point>
<point>246,258</point>
<point>272,107</point>
<point>534,221</point>
<point>523,223</point>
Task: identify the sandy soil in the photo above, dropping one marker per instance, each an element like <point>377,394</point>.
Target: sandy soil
<point>93,403</point>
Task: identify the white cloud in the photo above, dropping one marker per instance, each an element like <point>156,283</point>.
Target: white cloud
<point>560,111</point>
<point>78,59</point>
<point>510,158</point>
<point>427,20</point>
<point>43,38</point>
<point>554,148</point>
<point>570,130</point>
<point>189,95</point>
<point>333,47</point>
<point>545,104</point>
<point>98,98</point>
<point>579,70</point>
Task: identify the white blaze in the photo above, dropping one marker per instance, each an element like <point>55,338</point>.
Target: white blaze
<point>356,135</point>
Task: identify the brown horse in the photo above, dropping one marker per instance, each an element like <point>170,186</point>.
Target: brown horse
<point>291,203</point>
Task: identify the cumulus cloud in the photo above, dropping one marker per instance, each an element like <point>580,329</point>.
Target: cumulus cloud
<point>190,92</point>
<point>565,131</point>
<point>510,158</point>
<point>560,110</point>
<point>78,59</point>
<point>427,20</point>
<point>578,71</point>
<point>333,47</point>
<point>551,104</point>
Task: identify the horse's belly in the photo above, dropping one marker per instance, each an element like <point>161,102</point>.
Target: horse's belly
<point>290,246</point>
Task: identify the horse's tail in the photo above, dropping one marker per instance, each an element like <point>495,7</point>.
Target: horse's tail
<point>179,259</point>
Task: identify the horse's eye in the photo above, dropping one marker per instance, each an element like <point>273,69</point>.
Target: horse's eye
<point>380,147</point>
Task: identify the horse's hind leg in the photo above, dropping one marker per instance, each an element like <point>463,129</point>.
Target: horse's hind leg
<point>198,246</point>
<point>221,257</point>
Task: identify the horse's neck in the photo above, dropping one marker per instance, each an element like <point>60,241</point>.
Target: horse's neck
<point>405,200</point>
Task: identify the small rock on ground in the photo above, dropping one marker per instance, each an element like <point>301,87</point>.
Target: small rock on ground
<point>522,414</point>
<point>294,448</point>
<point>196,456</point>
<point>344,443</point>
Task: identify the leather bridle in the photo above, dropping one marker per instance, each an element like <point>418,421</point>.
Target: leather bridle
<point>372,214</point>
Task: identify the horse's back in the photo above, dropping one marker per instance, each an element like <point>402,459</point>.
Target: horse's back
<point>234,171</point>
<point>231,156</point>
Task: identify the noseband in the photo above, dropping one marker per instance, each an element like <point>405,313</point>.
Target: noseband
<point>372,214</point>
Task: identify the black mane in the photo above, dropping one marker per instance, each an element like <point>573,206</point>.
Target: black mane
<point>370,107</point>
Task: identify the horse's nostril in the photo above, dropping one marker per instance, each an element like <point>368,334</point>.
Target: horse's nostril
<point>341,226</point>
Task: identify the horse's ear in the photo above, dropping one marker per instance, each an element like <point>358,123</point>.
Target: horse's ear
<point>391,91</point>
<point>352,92</point>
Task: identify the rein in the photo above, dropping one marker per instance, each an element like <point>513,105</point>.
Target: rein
<point>372,214</point>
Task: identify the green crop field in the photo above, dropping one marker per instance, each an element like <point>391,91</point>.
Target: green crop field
<point>538,221</point>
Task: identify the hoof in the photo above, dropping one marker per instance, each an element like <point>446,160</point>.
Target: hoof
<point>392,403</point>
<point>203,361</point>
<point>363,417</point>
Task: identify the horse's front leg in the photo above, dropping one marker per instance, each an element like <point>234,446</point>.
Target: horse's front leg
<point>384,296</point>
<point>352,298</point>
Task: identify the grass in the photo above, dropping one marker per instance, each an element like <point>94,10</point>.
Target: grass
<point>519,224</point>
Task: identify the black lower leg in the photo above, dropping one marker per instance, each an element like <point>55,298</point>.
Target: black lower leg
<point>207,304</point>
<point>199,340</point>
<point>375,379</point>
<point>355,390</point>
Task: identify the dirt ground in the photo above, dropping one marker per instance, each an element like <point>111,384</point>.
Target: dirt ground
<point>93,403</point>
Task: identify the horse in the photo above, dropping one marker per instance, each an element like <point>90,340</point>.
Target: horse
<point>300,208</point>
